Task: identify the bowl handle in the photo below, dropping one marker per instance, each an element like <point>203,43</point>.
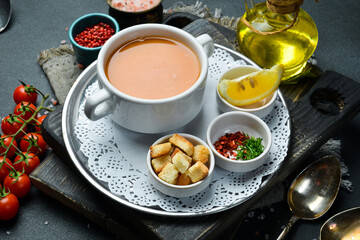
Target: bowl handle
<point>99,105</point>
<point>207,42</point>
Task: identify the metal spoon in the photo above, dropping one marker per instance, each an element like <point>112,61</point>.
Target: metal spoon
<point>5,13</point>
<point>313,191</point>
<point>344,225</point>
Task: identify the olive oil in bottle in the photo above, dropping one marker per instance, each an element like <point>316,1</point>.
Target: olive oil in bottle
<point>277,38</point>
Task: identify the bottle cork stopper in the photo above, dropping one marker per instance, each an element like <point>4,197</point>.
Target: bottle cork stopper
<point>284,6</point>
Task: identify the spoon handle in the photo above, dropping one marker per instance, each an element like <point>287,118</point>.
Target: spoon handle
<point>291,222</point>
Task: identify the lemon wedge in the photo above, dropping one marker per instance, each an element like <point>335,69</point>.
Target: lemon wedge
<point>251,88</point>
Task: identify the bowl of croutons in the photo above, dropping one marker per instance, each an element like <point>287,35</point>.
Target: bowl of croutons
<point>180,165</point>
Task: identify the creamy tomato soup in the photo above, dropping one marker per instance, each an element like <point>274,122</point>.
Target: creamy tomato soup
<point>153,68</point>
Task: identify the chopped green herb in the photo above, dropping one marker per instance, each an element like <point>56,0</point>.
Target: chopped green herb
<point>251,148</point>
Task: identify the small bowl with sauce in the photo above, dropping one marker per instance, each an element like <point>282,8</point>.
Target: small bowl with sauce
<point>240,141</point>
<point>261,108</point>
<point>99,28</point>
<point>132,12</point>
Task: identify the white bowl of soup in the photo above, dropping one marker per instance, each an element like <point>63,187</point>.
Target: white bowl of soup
<point>152,78</point>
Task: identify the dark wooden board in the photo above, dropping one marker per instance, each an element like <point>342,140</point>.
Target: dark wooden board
<point>311,128</point>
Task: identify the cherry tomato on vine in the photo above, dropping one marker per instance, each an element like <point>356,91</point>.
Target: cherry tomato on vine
<point>33,142</point>
<point>18,183</point>
<point>9,205</point>
<point>11,124</point>
<point>39,122</point>
<point>4,169</point>
<point>25,93</point>
<point>26,161</point>
<point>5,142</point>
<point>25,110</point>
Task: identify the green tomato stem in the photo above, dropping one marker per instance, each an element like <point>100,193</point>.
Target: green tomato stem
<point>25,123</point>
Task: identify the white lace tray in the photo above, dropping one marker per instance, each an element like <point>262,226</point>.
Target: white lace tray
<point>113,159</point>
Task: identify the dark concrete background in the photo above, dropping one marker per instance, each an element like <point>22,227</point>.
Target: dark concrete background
<point>41,24</point>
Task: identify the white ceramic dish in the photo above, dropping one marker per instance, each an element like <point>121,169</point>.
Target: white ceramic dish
<point>232,122</point>
<point>260,109</point>
<point>72,113</point>
<point>181,190</point>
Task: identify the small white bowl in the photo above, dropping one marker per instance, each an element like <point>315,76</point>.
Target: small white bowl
<point>181,190</point>
<point>260,109</point>
<point>232,122</point>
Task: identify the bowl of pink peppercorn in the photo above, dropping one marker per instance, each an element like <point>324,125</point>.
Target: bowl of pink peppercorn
<point>89,33</point>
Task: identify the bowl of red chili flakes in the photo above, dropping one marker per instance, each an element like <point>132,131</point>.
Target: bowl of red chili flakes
<point>240,141</point>
<point>89,33</point>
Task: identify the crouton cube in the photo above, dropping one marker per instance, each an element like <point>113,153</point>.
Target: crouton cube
<point>184,179</point>
<point>176,150</point>
<point>169,173</point>
<point>159,163</point>
<point>160,149</point>
<point>198,171</point>
<point>182,143</point>
<point>201,153</point>
<point>181,161</point>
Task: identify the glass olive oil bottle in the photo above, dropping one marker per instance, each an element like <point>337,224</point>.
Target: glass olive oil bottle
<point>277,38</point>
